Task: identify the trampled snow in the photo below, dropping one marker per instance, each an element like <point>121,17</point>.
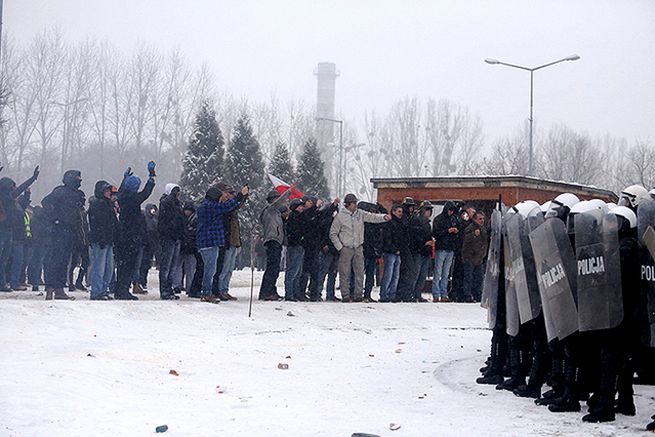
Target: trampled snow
<point>102,368</point>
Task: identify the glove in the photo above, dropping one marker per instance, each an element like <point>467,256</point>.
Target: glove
<point>35,175</point>
<point>151,169</point>
<point>128,172</point>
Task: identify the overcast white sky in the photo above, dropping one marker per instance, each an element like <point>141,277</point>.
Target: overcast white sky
<point>388,49</point>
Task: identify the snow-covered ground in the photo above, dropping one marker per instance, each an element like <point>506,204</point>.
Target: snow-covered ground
<point>102,369</point>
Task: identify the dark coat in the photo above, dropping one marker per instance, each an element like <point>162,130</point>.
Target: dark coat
<point>443,239</point>
<point>474,248</point>
<point>420,232</point>
<point>189,244</point>
<point>172,221</point>
<point>103,223</point>
<point>132,222</point>
<point>296,227</point>
<point>64,207</point>
<point>373,232</point>
<point>11,214</point>
<point>394,236</point>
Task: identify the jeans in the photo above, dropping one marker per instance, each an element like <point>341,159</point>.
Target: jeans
<point>209,258</point>
<point>473,276</point>
<point>137,266</point>
<point>229,264</point>
<point>292,275</point>
<point>35,266</point>
<point>273,254</point>
<point>310,273</point>
<point>189,264</point>
<point>370,269</point>
<point>170,261</point>
<point>17,254</point>
<point>390,278</point>
<point>328,265</point>
<point>5,254</point>
<point>423,263</point>
<point>443,259</point>
<point>102,269</point>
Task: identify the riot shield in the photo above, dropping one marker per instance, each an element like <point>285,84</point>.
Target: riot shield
<point>600,297</point>
<point>556,278</point>
<point>646,230</point>
<point>523,271</point>
<point>512,318</point>
<point>492,273</point>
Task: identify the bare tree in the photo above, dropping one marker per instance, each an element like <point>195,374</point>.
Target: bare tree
<point>641,160</point>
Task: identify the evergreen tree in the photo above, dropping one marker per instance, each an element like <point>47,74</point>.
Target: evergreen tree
<point>244,164</point>
<point>281,164</point>
<point>203,162</point>
<point>311,171</point>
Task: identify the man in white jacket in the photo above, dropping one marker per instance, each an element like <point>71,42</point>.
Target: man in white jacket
<point>347,235</point>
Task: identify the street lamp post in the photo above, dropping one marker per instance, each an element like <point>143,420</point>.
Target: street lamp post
<point>339,175</point>
<point>531,70</point>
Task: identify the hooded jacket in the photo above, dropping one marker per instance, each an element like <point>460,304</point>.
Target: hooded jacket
<point>171,221</point>
<point>132,223</point>
<point>103,222</point>
<point>64,206</point>
<point>443,239</point>
<point>10,214</point>
<point>420,231</point>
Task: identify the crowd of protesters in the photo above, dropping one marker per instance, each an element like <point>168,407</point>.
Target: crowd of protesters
<point>114,239</point>
<point>363,244</point>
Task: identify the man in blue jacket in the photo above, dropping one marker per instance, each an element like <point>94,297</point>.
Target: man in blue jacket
<point>211,230</point>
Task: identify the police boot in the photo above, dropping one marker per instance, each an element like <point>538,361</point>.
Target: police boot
<point>549,397</point>
<point>517,377</point>
<point>565,404</point>
<point>49,294</point>
<point>605,416</point>
<point>625,407</point>
<point>492,373</point>
<point>651,426</point>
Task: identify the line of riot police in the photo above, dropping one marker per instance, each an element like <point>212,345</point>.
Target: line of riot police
<point>570,292</point>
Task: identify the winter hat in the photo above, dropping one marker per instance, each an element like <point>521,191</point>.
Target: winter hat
<point>132,184</point>
<point>170,188</point>
<point>7,185</point>
<point>189,206</point>
<point>73,179</point>
<point>100,188</point>
<point>409,201</point>
<point>213,193</point>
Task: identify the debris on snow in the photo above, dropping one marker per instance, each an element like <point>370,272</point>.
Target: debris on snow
<point>290,314</point>
<point>161,428</point>
<point>173,372</point>
<point>282,366</point>
<point>394,426</point>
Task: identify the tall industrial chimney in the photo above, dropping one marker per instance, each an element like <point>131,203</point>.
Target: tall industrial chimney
<point>326,74</point>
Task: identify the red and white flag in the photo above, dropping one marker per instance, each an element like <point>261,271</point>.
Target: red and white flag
<point>282,186</point>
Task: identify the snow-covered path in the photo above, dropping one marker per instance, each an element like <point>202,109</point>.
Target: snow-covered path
<point>102,368</point>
